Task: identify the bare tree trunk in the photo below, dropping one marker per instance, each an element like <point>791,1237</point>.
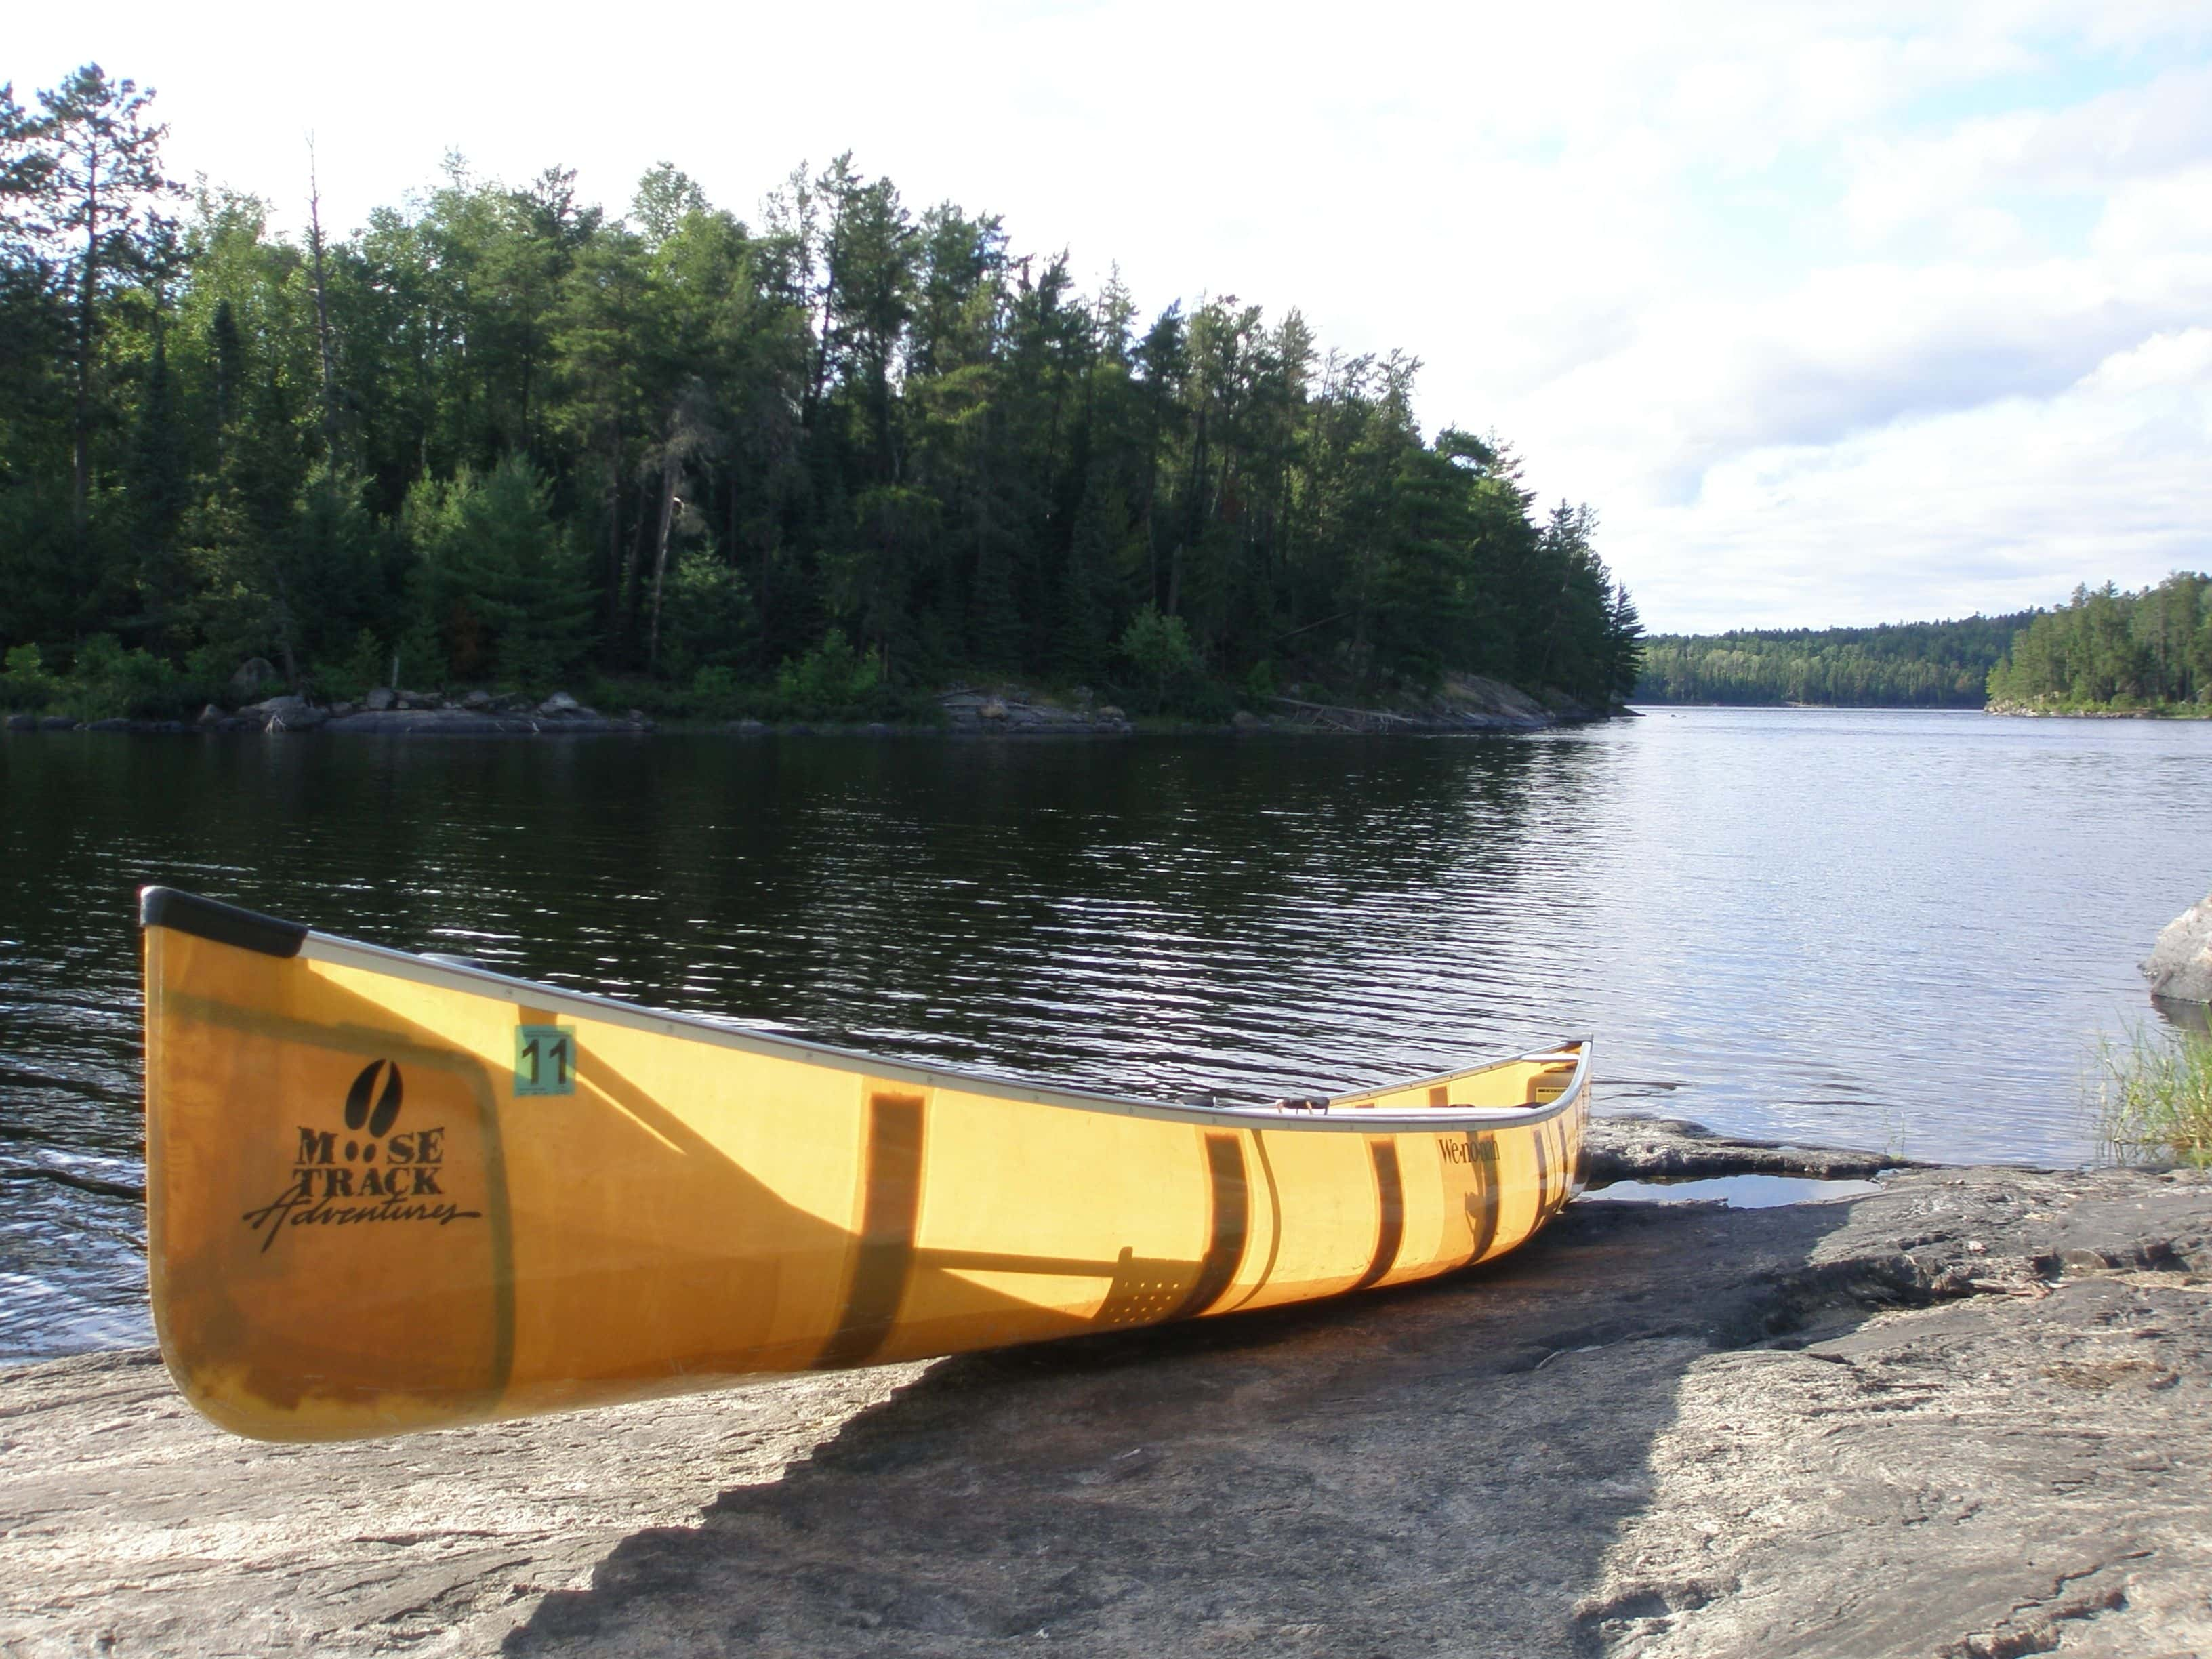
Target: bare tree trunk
<point>611,593</point>
<point>284,629</point>
<point>669,468</point>
<point>80,477</point>
<point>322,307</point>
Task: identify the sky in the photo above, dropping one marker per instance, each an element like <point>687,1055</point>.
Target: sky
<point>1836,315</point>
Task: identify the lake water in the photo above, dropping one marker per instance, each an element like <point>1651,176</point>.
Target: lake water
<point>1897,929</point>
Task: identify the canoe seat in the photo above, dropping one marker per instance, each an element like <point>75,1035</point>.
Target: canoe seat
<point>1547,1085</point>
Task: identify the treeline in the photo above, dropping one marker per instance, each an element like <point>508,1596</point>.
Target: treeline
<point>1942,664</point>
<point>501,434</point>
<point>2109,650</point>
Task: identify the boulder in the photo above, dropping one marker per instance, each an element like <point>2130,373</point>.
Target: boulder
<point>58,723</point>
<point>22,722</point>
<point>993,710</point>
<point>380,698</point>
<point>478,699</point>
<point>211,716</point>
<point>560,704</point>
<point>252,674</point>
<point>2180,966</point>
<point>1246,721</point>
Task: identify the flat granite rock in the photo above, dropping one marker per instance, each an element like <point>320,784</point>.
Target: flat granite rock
<point>1969,1416</point>
<point>1635,1147</point>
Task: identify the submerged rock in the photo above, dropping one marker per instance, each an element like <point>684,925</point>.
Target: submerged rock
<point>2180,964</point>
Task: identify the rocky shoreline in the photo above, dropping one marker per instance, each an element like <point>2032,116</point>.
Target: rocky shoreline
<point>2164,712</point>
<point>1967,1416</point>
<point>1465,704</point>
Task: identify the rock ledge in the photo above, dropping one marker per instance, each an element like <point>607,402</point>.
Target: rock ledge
<point>1970,1415</point>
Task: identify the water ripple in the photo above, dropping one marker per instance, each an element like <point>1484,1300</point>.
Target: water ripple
<point>1896,930</point>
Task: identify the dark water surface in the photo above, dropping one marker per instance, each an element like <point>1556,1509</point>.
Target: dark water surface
<point>1898,930</point>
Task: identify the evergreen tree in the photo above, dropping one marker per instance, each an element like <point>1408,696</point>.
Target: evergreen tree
<point>101,182</point>
<point>514,437</point>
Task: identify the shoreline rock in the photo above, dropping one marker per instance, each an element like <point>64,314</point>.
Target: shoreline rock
<point>1010,714</point>
<point>1969,1415</point>
<point>1635,1146</point>
<point>407,715</point>
<point>2180,967</point>
<point>2164,712</point>
<point>1466,704</point>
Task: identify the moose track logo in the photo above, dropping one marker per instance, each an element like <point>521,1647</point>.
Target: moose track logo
<point>376,1172</point>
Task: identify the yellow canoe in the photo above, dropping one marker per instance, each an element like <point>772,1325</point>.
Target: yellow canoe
<point>387,1192</point>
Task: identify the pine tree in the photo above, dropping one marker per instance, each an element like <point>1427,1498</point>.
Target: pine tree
<point>101,188</point>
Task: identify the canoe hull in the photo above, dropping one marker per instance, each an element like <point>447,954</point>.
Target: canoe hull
<point>385,1194</point>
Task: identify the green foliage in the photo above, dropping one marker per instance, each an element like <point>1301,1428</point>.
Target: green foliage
<point>365,664</point>
<point>716,691</point>
<point>26,684</point>
<point>498,578</point>
<point>832,682</point>
<point>1941,665</point>
<point>713,624</point>
<point>515,438</point>
<point>1163,662</point>
<point>108,682</point>
<point>2153,1099</point>
<point>2107,651</point>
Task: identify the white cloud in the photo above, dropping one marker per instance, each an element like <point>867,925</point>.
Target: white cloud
<point>1792,294</point>
<point>2008,504</point>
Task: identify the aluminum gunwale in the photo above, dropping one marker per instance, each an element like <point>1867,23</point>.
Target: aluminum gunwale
<point>403,964</point>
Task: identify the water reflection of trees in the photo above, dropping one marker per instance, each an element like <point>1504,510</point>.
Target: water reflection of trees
<point>1137,914</point>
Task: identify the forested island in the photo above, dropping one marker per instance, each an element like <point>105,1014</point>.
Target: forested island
<point>818,462</point>
<point>2108,652</point>
<point>2104,651</point>
<point>1940,665</point>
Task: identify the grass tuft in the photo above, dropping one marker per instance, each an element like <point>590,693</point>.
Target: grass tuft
<point>2153,1097</point>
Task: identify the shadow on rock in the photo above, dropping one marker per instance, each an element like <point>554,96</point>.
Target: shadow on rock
<point>1440,1468</point>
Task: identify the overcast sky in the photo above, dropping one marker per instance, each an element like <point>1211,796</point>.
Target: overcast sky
<point>1837,313</point>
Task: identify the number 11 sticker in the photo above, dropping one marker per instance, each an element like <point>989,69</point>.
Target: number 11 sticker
<point>545,1059</point>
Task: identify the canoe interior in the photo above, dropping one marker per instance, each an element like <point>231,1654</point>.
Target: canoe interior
<point>387,1194</point>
